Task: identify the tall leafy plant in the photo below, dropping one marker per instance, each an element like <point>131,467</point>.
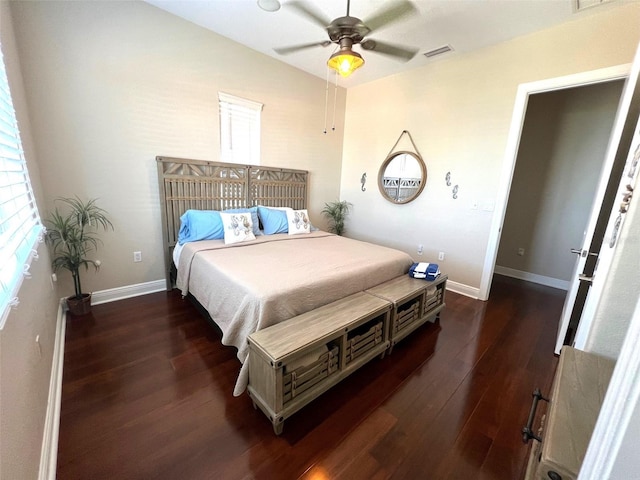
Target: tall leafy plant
<point>337,212</point>
<point>73,235</point>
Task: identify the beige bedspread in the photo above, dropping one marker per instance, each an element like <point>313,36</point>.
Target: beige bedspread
<point>249,286</point>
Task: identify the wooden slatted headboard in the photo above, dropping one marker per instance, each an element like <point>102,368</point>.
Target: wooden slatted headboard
<point>202,185</point>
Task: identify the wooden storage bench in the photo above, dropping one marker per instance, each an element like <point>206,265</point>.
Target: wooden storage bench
<point>415,302</point>
<point>293,362</point>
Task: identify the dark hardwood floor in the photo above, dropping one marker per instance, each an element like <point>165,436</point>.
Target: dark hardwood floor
<point>147,395</point>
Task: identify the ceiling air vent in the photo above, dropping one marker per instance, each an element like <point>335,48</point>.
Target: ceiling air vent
<point>579,5</point>
<point>438,51</point>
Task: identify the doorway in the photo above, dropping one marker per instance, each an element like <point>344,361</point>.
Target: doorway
<point>513,142</point>
<point>558,166</point>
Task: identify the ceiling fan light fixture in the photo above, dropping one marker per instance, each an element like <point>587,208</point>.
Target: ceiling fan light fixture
<point>345,61</point>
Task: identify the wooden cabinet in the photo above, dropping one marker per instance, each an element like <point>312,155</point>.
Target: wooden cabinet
<point>293,362</point>
<point>579,387</point>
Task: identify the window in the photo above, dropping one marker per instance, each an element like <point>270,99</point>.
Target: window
<point>239,130</point>
<point>20,225</point>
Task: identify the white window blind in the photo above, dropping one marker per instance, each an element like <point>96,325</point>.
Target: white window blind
<point>20,225</point>
<point>239,129</point>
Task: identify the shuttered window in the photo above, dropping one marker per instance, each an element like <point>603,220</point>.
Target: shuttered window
<point>20,225</point>
<point>239,130</point>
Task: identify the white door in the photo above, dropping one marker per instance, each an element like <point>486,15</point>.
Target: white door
<point>592,263</point>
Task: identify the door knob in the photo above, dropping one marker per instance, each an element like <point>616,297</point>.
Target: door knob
<point>583,253</point>
<point>584,278</point>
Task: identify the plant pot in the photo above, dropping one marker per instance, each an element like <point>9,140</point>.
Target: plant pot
<point>79,306</point>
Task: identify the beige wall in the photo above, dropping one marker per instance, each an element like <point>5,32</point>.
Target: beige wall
<point>458,110</point>
<point>562,149</point>
<point>25,365</point>
<point>111,85</point>
<point>107,87</point>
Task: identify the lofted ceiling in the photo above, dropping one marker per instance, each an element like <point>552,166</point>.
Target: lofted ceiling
<point>465,25</point>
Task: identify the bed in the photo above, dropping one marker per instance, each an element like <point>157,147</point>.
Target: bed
<point>251,285</point>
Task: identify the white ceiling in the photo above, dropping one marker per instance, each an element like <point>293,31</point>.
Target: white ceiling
<point>465,25</point>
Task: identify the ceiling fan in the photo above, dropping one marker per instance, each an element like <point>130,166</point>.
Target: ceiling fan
<point>348,31</point>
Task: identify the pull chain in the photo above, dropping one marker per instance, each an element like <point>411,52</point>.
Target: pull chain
<point>335,100</point>
<point>326,103</point>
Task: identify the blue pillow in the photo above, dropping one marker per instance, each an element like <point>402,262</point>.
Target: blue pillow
<point>254,217</point>
<point>200,225</point>
<point>273,221</point>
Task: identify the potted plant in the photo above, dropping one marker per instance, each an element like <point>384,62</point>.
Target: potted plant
<point>336,212</point>
<point>72,236</point>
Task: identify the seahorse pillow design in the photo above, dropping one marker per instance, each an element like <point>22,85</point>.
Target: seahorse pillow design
<point>238,227</point>
<point>298,221</point>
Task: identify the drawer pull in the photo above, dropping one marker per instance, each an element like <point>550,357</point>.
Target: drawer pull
<point>527,433</point>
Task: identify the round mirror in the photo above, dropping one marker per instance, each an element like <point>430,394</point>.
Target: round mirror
<point>402,177</point>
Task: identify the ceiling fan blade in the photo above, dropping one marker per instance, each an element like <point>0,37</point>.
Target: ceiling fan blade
<point>311,14</point>
<point>407,53</point>
<point>390,15</point>
<point>295,48</point>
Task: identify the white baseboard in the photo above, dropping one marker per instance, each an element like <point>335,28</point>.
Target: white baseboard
<point>49,452</point>
<point>532,277</point>
<point>463,289</point>
<point>128,291</point>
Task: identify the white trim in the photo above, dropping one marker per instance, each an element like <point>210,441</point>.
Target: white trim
<point>620,401</point>
<point>462,289</point>
<point>622,124</point>
<point>227,97</point>
<point>513,143</point>
<point>532,277</point>
<point>49,451</point>
<point>614,224</point>
<point>128,291</point>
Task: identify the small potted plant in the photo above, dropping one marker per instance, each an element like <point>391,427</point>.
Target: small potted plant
<point>72,236</point>
<point>336,212</point>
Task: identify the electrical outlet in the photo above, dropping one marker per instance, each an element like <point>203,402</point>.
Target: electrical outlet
<point>137,256</point>
<point>441,256</point>
<point>488,206</point>
<point>420,249</point>
<point>520,251</point>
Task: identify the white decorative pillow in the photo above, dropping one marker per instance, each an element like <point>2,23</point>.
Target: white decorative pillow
<point>238,227</point>
<point>298,221</point>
